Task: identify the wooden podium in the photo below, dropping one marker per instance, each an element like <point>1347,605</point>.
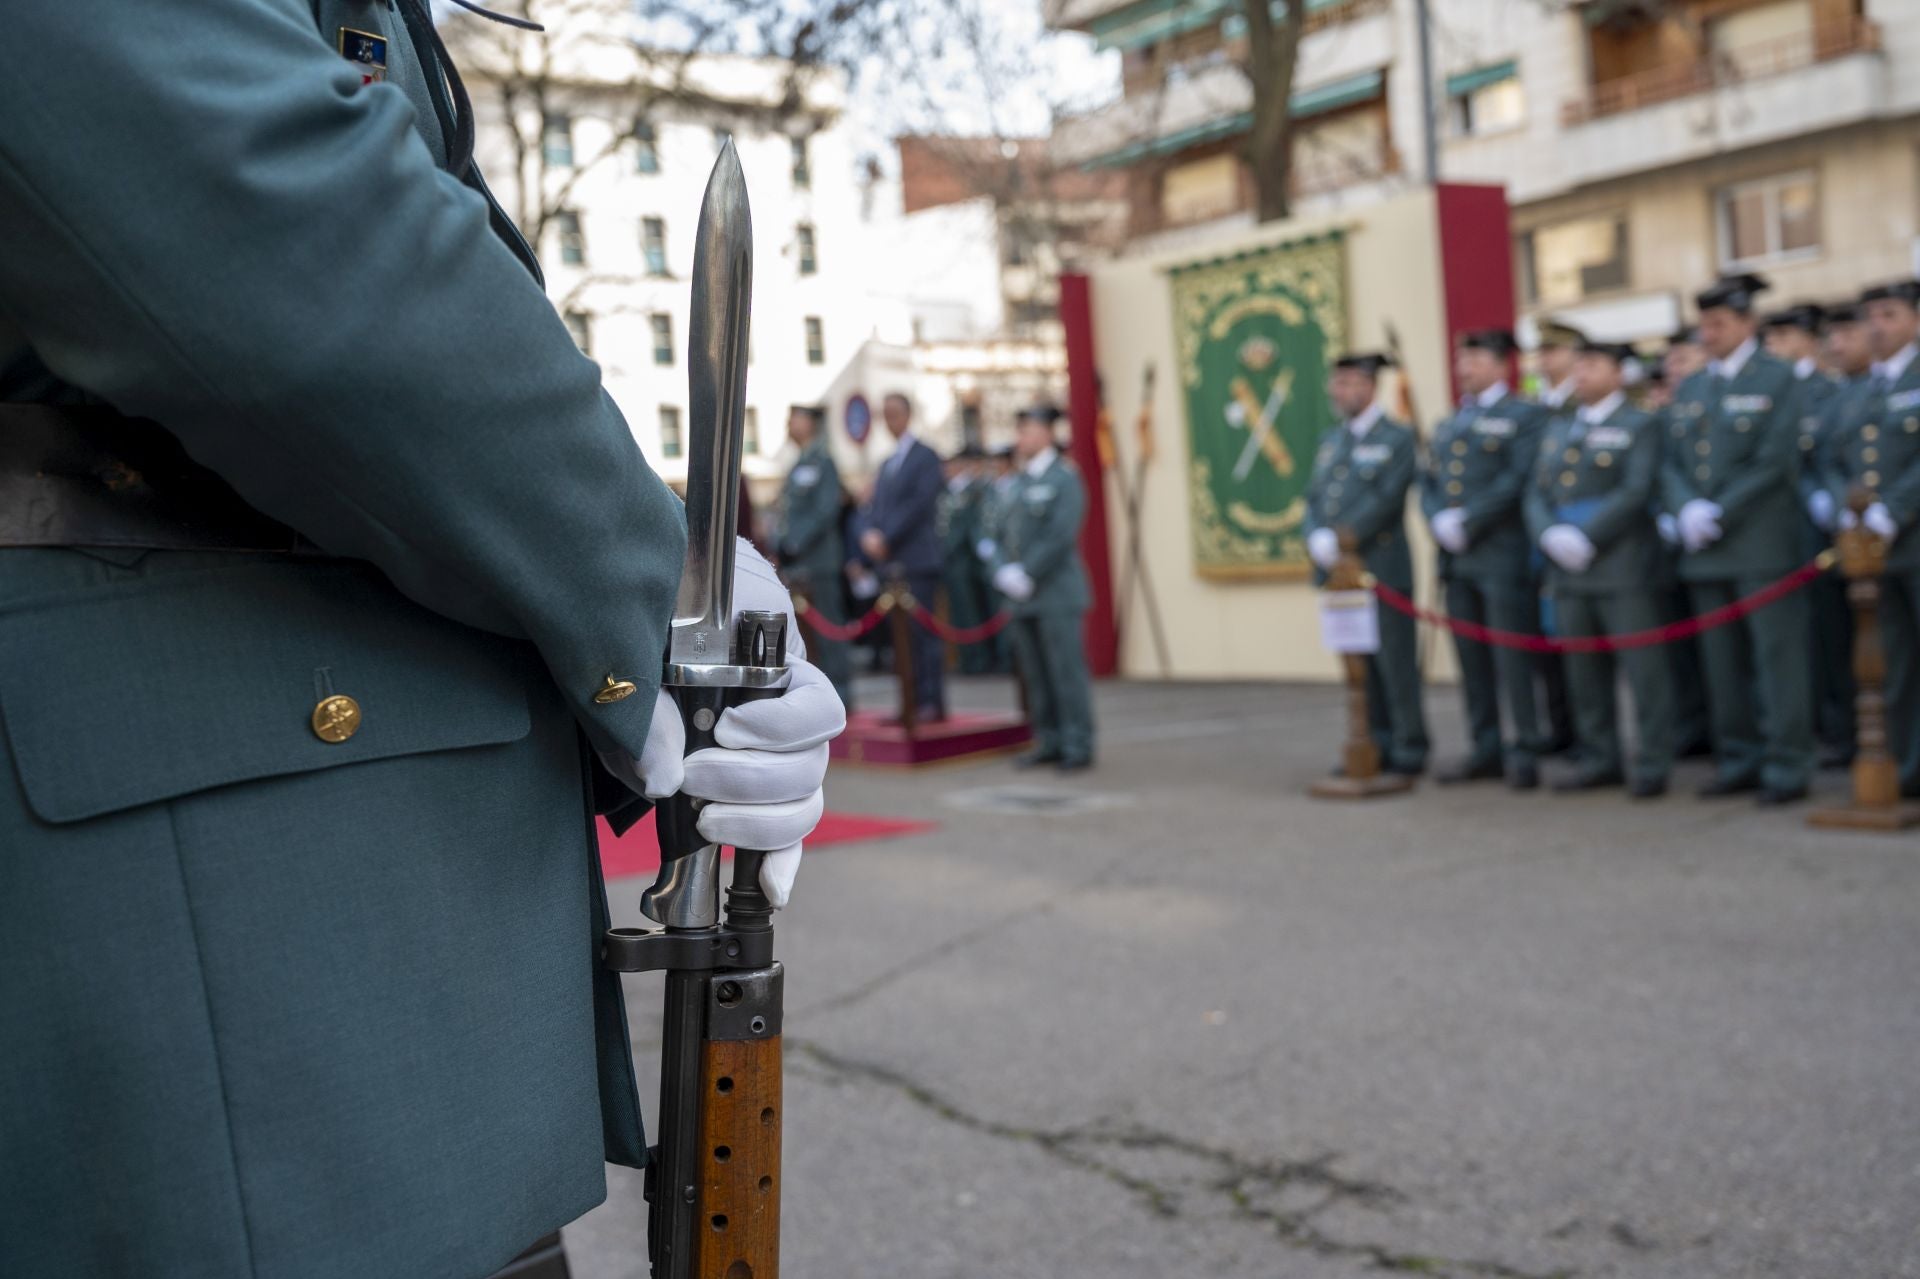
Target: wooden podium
<point>1876,805</point>
<point>1360,776</point>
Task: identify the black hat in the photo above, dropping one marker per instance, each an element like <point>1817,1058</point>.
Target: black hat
<point>1844,313</point>
<point>1498,341</point>
<point>1806,316</point>
<point>1043,412</point>
<point>1004,453</point>
<point>1734,292</point>
<point>1907,291</point>
<point>1559,333</point>
<point>1367,362</point>
<point>816,413</point>
<point>1685,335</point>
<point>1619,352</point>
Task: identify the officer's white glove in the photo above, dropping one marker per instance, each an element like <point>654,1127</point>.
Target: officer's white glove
<point>1011,580</point>
<point>1699,524</point>
<point>1568,547</point>
<point>1880,522</point>
<point>986,548</point>
<point>1323,547</point>
<point>1450,529</point>
<point>1820,509</point>
<point>762,782</point>
<point>1669,528</point>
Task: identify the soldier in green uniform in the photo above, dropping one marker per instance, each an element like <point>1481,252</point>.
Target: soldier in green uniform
<point>1730,482</point>
<point>1554,358</point>
<point>967,587</point>
<point>1037,569</point>
<point>1479,460</point>
<point>1793,334</point>
<point>1877,450</point>
<point>334,594</point>
<point>1848,356</point>
<point>1590,510</point>
<point>1692,731</point>
<point>1361,473</point>
<point>812,550</point>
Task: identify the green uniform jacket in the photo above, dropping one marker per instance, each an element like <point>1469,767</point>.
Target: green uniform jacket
<point>1821,399</point>
<point>278,1007</point>
<point>1738,444</point>
<point>1479,460</point>
<point>1041,533</point>
<point>1601,479</point>
<point>1361,485</point>
<point>810,502</point>
<point>1878,448</point>
<point>960,523</point>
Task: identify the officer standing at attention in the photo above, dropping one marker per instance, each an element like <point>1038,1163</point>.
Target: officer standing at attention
<point>1479,461</point>
<point>1590,510</point>
<point>334,595</point>
<point>1037,567</point>
<point>1730,482</point>
<point>1361,474</point>
<point>1794,335</point>
<point>967,588</point>
<point>811,547</point>
<point>1554,358</point>
<point>1878,451</point>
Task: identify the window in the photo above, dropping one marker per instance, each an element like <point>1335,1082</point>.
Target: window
<point>669,431</point>
<point>653,244</point>
<point>1488,100</point>
<point>1767,220</point>
<point>662,338</point>
<point>581,329</point>
<point>556,141</point>
<point>1568,261</point>
<point>750,437</point>
<point>573,244</point>
<point>802,173</point>
<point>1200,190</point>
<point>646,147</point>
<point>809,263</point>
<point>816,341</point>
<point>1763,39</point>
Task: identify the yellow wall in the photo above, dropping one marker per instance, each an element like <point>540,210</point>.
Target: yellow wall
<point>1254,629</point>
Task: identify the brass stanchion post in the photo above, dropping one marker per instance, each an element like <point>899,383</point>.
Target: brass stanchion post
<point>1359,776</point>
<point>1876,776</point>
<point>897,600</point>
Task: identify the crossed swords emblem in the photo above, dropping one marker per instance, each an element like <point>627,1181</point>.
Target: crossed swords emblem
<point>1247,413</point>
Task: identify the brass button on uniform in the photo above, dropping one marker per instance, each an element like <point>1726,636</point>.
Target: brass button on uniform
<point>1455,488</point>
<point>1570,456</point>
<point>1703,472</point>
<point>1603,459</point>
<point>1871,479</point>
<point>1340,472</point>
<point>1744,424</point>
<point>1568,479</point>
<point>1913,424</point>
<point>1460,448</point>
<point>336,719</point>
<point>1869,454</point>
<point>614,690</point>
<point>1703,448</point>
<point>1869,432</point>
<point>1456,467</point>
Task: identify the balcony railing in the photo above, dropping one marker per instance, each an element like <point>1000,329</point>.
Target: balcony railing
<point>1724,67</point>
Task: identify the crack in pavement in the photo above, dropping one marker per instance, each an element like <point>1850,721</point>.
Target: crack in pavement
<point>1281,1196</point>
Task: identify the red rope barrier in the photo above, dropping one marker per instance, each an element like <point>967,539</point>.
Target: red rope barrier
<point>960,634</point>
<point>831,631</point>
<point>1686,628</point>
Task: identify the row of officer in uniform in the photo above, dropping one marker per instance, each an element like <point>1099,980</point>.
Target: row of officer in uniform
<point>1027,521</point>
<point>1718,490</point>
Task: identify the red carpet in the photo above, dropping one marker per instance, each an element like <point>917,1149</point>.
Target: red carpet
<point>635,852</point>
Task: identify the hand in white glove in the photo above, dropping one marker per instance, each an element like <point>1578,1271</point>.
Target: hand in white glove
<point>986,548</point>
<point>1669,528</point>
<point>1323,547</point>
<point>1011,580</point>
<point>1450,529</point>
<point>1848,519</point>
<point>1568,546</point>
<point>762,781</point>
<point>1699,524</point>
<point>1820,509</point>
<point>1880,522</point>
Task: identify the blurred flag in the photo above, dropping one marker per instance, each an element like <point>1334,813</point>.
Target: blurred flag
<point>1143,427</point>
<point>1103,429</point>
<point>1404,406</point>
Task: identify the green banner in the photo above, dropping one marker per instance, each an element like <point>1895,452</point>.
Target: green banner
<point>1255,334</point>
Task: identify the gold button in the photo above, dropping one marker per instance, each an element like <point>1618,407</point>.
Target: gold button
<point>1913,424</point>
<point>1806,444</point>
<point>1871,479</point>
<point>1869,454</point>
<point>336,719</point>
<point>1340,472</point>
<point>1459,448</point>
<point>1567,479</point>
<point>1571,456</point>
<point>1744,424</point>
<point>1703,472</point>
<point>615,690</point>
<point>1333,490</point>
<point>1603,459</point>
<point>1456,467</point>
<point>1703,448</point>
<point>1869,432</point>
<point>1455,488</point>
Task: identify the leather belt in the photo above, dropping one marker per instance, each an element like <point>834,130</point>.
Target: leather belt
<point>85,475</point>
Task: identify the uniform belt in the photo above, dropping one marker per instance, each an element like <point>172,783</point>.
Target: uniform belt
<point>83,475</point>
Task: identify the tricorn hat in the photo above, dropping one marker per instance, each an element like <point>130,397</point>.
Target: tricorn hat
<point>1734,292</point>
<point>1498,341</point>
<point>1907,291</point>
<point>1367,362</point>
<point>1806,317</point>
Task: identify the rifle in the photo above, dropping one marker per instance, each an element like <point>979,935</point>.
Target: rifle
<point>713,1181</point>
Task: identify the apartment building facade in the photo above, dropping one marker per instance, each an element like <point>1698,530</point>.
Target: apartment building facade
<point>1645,145</point>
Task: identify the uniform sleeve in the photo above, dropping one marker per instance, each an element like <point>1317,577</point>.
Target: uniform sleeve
<point>1386,502</point>
<point>1775,459</point>
<point>212,223</point>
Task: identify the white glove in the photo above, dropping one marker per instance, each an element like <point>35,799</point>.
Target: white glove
<point>1450,529</point>
<point>986,548</point>
<point>1820,509</point>
<point>1879,522</point>
<point>1568,547</point>
<point>1011,580</point>
<point>1669,528</point>
<point>762,782</point>
<point>1699,524</point>
<point>1848,520</point>
<point>1323,547</point>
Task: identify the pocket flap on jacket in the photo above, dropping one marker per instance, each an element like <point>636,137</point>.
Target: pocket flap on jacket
<point>135,693</point>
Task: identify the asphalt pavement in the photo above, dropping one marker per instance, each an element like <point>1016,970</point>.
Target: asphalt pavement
<point>1173,1017</point>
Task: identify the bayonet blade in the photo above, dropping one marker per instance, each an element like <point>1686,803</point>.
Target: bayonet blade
<point>716,411</point>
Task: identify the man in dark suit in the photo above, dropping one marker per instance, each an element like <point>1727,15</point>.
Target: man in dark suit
<point>903,533</point>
